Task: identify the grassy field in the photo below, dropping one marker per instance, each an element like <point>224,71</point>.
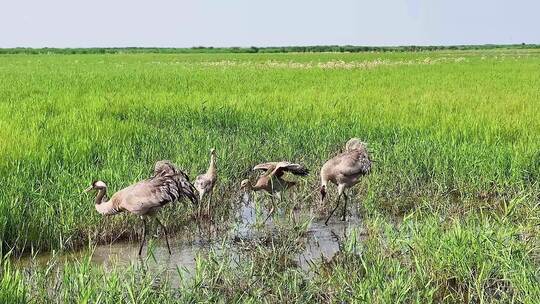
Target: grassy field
<point>452,206</point>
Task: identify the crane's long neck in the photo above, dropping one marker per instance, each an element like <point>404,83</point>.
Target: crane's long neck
<point>256,187</point>
<point>324,181</point>
<point>103,205</point>
<point>212,167</point>
<point>101,196</point>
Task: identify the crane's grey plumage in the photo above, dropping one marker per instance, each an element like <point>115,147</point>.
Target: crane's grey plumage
<point>345,171</point>
<point>167,184</point>
<point>205,183</point>
<point>271,181</point>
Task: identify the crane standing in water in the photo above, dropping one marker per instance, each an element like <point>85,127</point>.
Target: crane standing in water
<point>146,197</point>
<point>345,171</point>
<point>205,183</point>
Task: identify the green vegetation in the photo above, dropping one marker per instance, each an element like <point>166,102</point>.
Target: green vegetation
<point>271,49</point>
<point>451,210</point>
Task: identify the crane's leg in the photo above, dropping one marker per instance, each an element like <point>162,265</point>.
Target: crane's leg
<point>208,203</point>
<point>199,209</point>
<point>344,214</point>
<point>166,233</point>
<point>340,192</point>
<point>271,209</point>
<point>333,210</point>
<point>143,235</point>
<point>291,209</point>
<point>279,196</point>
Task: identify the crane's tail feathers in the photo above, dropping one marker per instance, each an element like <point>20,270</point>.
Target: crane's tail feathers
<point>179,184</point>
<point>188,191</point>
<point>185,187</point>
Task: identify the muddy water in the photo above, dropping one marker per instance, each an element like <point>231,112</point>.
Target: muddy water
<point>321,242</point>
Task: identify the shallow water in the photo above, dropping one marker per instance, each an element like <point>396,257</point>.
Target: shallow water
<point>321,242</point>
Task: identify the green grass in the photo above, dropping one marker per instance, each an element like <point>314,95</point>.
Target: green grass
<point>455,137</point>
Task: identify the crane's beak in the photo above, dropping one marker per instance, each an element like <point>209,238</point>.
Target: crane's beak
<point>88,189</point>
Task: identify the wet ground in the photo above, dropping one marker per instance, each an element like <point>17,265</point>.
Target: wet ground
<point>321,242</point>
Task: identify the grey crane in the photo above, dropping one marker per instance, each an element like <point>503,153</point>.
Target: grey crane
<point>205,183</point>
<point>145,198</point>
<point>345,171</point>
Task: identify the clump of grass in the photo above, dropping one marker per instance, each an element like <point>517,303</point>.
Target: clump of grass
<point>12,284</point>
<point>80,281</point>
<point>468,260</point>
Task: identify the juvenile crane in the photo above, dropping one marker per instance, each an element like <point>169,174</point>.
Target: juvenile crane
<point>271,181</point>
<point>145,198</point>
<point>205,183</point>
<point>345,171</point>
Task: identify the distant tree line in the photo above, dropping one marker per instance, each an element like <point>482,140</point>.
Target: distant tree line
<point>253,49</point>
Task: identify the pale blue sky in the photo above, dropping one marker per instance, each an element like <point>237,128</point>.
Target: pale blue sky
<point>183,23</point>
